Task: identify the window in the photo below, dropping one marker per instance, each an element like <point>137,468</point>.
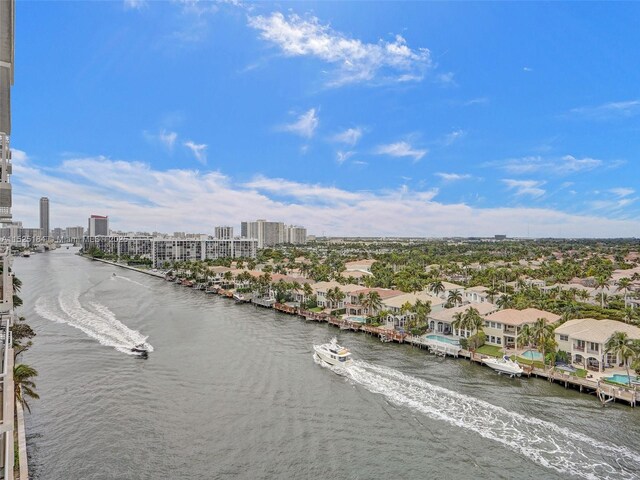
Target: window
<point>499,341</point>
<point>564,338</point>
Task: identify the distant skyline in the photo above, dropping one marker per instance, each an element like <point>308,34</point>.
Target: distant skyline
<point>352,119</point>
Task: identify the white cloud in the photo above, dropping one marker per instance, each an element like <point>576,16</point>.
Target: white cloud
<point>342,157</point>
<point>452,177</point>
<point>355,60</point>
<point>609,110</point>
<point>139,197</point>
<point>199,151</point>
<point>135,4</point>
<point>525,187</point>
<point>166,138</point>
<point>622,191</point>
<point>452,137</point>
<point>401,149</point>
<point>305,126</point>
<point>350,136</point>
<point>527,69</point>
<point>565,165</point>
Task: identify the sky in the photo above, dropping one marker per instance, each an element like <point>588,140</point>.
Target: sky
<point>350,118</point>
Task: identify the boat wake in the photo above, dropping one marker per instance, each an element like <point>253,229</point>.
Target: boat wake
<point>120,277</point>
<point>545,443</point>
<point>94,319</point>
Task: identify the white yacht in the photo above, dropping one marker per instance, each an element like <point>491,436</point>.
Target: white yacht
<point>504,365</point>
<point>332,353</point>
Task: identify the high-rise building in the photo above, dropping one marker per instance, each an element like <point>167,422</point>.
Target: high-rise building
<point>98,225</point>
<point>224,233</point>
<point>295,235</point>
<point>74,234</point>
<point>270,234</point>
<point>44,217</point>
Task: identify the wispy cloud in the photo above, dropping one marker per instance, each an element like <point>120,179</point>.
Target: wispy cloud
<point>622,191</point>
<point>138,197</point>
<point>165,138</point>
<point>609,110</point>
<point>565,165</point>
<point>451,138</point>
<point>525,187</point>
<point>199,151</point>
<point>401,149</point>
<point>452,177</point>
<point>476,101</point>
<point>350,136</point>
<point>342,157</point>
<point>527,69</point>
<point>135,4</point>
<point>355,61</point>
<point>305,126</point>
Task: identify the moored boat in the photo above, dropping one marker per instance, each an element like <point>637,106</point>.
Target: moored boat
<point>332,353</point>
<point>504,365</point>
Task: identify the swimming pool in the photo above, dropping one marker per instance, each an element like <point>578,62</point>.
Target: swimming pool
<point>623,379</point>
<point>441,338</point>
<point>356,319</point>
<point>531,355</point>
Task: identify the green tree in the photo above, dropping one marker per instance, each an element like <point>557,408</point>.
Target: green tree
<point>24,386</point>
<point>621,346</point>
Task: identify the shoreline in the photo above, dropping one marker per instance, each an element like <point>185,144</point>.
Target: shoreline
<point>128,267</point>
<point>604,393</point>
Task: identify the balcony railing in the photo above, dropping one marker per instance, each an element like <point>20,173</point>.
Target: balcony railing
<point>579,348</point>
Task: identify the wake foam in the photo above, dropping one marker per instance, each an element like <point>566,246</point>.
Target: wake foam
<point>120,277</point>
<point>545,443</point>
<point>94,319</point>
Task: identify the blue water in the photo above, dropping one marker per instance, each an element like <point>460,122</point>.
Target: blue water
<point>623,379</point>
<point>531,355</point>
<point>444,339</point>
<point>356,319</point>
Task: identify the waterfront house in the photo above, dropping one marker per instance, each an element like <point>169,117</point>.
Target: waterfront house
<point>503,327</point>
<point>585,339</point>
<point>440,321</point>
<point>354,305</point>
<point>397,318</point>
<point>320,289</point>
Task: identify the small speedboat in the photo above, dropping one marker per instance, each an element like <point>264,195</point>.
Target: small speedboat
<point>332,353</point>
<point>504,365</point>
<point>141,348</point>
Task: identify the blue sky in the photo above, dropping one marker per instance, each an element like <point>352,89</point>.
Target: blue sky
<point>354,118</point>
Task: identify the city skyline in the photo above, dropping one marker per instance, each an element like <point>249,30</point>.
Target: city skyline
<point>433,120</point>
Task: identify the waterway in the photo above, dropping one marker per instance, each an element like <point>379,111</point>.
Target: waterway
<point>232,391</point>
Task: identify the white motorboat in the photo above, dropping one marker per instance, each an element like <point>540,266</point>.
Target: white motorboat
<point>504,365</point>
<point>333,354</point>
<point>141,349</point>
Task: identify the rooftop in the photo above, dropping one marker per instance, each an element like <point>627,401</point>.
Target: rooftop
<point>511,316</point>
<point>598,331</point>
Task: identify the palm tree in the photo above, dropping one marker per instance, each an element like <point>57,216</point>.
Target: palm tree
<point>436,287</point>
<point>23,385</point>
<point>455,297</point>
<point>620,345</point>
<point>372,302</point>
<point>525,335</point>
<point>459,322</point>
<point>623,284</point>
<point>601,283</point>
<point>542,333</point>
<point>474,319</point>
